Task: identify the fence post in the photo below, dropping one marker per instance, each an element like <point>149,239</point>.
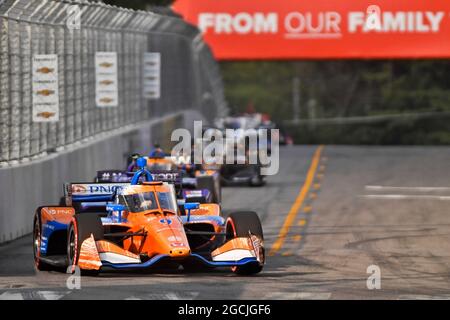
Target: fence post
<point>4,90</point>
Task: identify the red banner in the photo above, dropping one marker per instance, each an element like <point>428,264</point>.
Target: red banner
<point>321,29</point>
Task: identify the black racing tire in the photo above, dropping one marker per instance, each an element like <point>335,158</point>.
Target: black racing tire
<point>81,228</point>
<point>243,223</point>
<point>240,224</point>
<point>37,234</point>
<point>213,186</point>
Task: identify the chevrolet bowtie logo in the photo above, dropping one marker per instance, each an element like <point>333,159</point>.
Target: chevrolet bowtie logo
<point>45,92</point>
<point>45,70</point>
<point>106,65</point>
<point>106,82</point>
<point>106,100</point>
<point>45,114</point>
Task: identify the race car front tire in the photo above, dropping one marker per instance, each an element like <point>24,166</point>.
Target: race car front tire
<point>81,228</point>
<point>37,229</point>
<point>241,224</point>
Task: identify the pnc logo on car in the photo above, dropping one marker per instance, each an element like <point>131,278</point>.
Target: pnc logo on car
<point>104,189</point>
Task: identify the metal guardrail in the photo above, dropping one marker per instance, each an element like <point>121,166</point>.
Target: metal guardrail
<point>190,78</point>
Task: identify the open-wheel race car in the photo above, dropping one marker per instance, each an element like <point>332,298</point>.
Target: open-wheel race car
<point>187,178</point>
<point>138,225</point>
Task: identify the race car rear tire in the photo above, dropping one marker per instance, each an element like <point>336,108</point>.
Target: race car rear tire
<point>240,224</point>
<point>81,228</point>
<point>37,229</point>
<point>213,186</point>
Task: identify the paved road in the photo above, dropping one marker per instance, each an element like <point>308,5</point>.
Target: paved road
<point>328,215</point>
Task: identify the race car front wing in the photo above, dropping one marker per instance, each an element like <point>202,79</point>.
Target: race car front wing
<point>101,254</point>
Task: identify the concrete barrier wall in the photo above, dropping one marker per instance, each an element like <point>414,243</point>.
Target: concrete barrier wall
<point>25,187</point>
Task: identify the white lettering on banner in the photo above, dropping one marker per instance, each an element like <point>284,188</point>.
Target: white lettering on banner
<point>325,24</point>
<point>395,22</point>
<point>435,20</point>
<point>420,22</point>
<point>241,23</point>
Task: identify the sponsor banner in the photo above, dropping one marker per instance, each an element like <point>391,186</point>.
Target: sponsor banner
<point>45,88</point>
<point>152,75</point>
<point>298,29</point>
<point>106,86</point>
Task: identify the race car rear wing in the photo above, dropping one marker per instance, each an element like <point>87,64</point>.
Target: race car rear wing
<point>118,176</point>
<point>91,191</point>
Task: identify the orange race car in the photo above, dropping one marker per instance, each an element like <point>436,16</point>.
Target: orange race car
<point>177,170</point>
<point>138,225</point>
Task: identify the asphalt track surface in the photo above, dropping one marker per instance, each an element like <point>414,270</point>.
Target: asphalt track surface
<point>328,215</point>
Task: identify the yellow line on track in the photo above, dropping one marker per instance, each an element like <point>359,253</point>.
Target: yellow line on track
<point>297,203</point>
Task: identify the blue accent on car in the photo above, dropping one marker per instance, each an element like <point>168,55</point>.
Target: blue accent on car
<point>188,206</point>
<point>163,221</point>
<point>115,207</point>
<point>160,257</point>
<point>87,205</point>
<point>191,205</point>
<point>47,231</point>
<point>225,263</point>
<point>93,198</point>
<point>142,164</point>
<point>218,219</point>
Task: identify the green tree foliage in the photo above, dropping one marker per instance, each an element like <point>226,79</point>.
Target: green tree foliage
<point>265,85</point>
<point>339,88</point>
<point>348,88</point>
